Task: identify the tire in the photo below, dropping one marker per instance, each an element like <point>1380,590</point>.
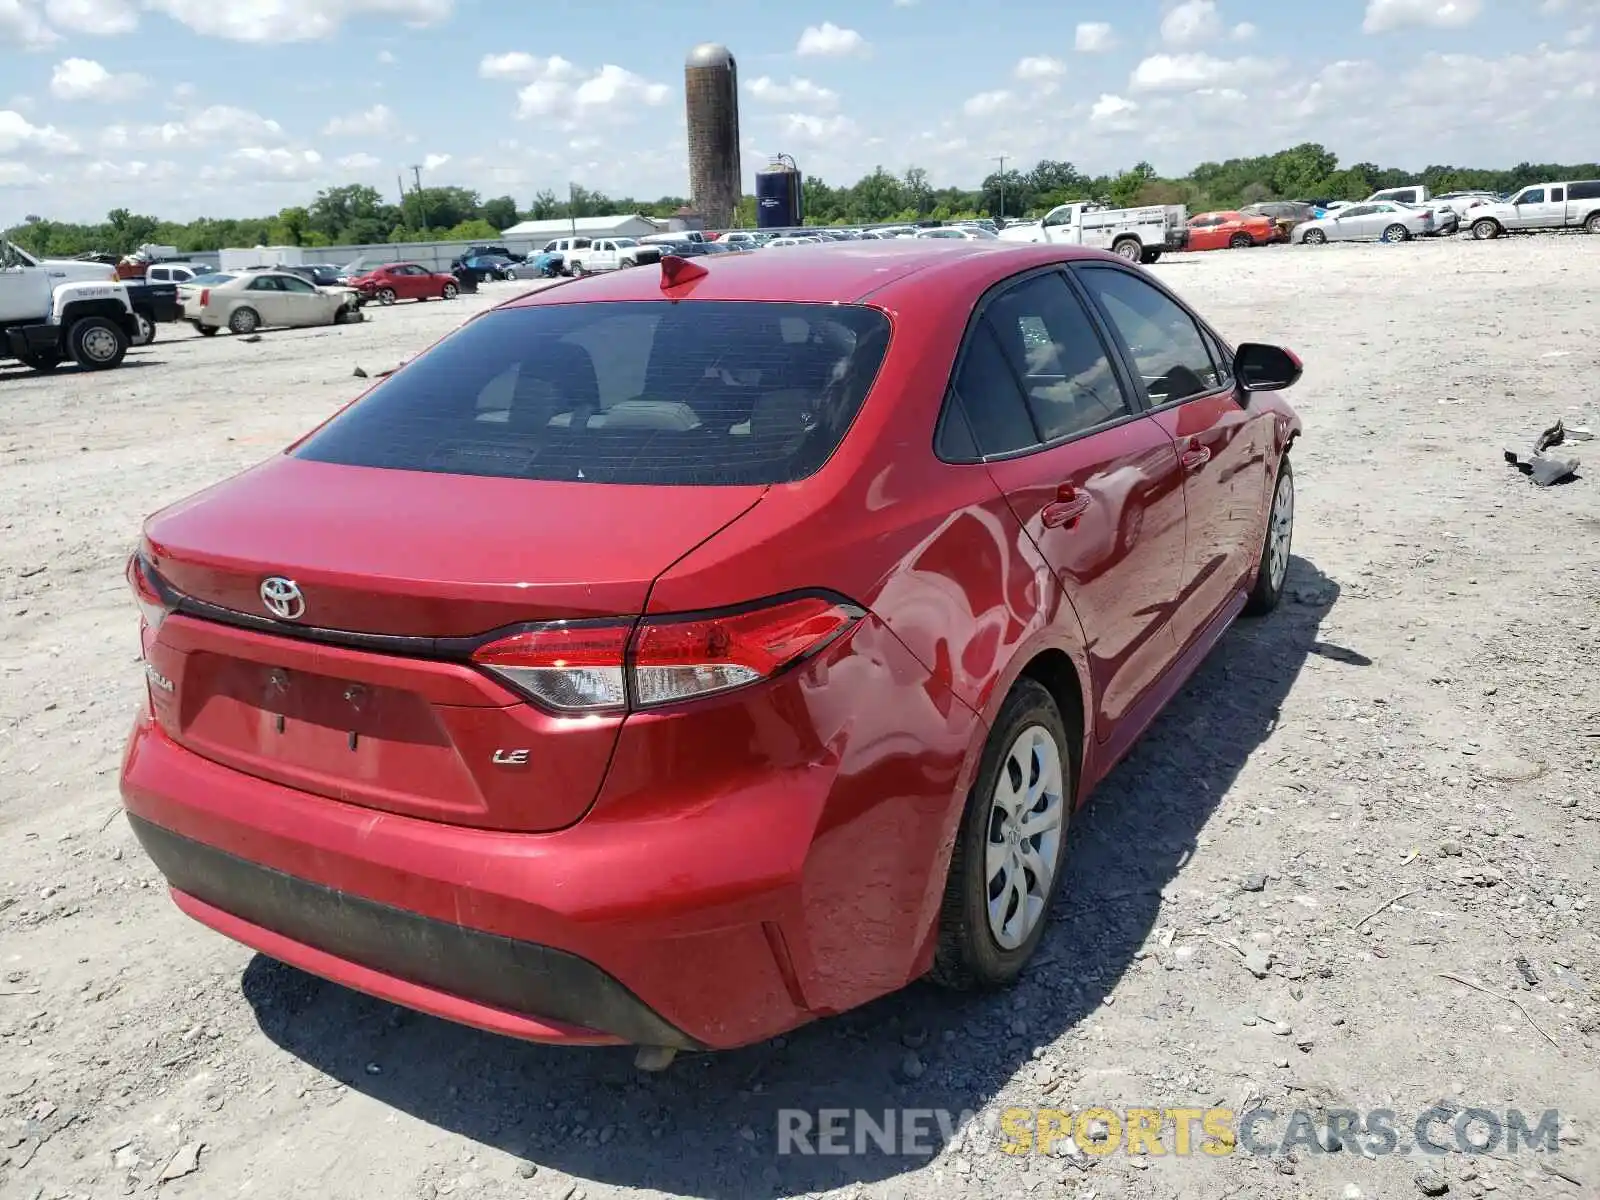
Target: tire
<point>1128,248</point>
<point>386,296</point>
<point>576,270</point>
<point>147,330</point>
<point>42,363</point>
<point>244,320</point>
<point>1486,230</point>
<point>1397,233</point>
<point>1150,257</point>
<point>969,953</point>
<point>1240,241</point>
<point>449,292</point>
<point>341,314</point>
<point>206,330</point>
<point>97,343</point>
<point>511,276</point>
<point>1273,569</point>
<point>1593,223</point>
<point>1314,237</point>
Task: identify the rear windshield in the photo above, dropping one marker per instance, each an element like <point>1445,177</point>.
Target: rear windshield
<point>214,279</point>
<point>651,392</point>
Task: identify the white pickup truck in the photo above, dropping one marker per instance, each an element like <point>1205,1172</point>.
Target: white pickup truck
<point>601,254</point>
<point>1137,234</point>
<point>54,310</point>
<point>1574,204</point>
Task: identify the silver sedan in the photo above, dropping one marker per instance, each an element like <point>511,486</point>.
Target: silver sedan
<point>1384,221</point>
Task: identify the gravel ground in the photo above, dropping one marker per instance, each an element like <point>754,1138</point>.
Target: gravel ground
<point>1421,720</point>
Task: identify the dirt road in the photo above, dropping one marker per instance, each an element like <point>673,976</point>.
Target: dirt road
<point>1412,736</point>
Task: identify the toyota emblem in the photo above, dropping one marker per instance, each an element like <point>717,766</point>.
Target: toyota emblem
<point>283,598</point>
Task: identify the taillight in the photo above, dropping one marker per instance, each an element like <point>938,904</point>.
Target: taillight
<point>146,593</point>
<point>568,666</point>
<point>205,297</point>
<point>579,667</point>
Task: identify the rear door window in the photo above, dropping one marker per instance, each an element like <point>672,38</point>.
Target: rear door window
<point>1589,189</point>
<point>652,392</point>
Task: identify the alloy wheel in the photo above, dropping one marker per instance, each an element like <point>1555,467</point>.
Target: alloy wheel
<point>1025,824</point>
<point>1280,532</point>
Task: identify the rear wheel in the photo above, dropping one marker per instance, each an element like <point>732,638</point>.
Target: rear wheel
<point>147,330</point>
<point>244,320</point>
<point>1240,240</point>
<point>1006,863</point>
<point>1274,569</point>
<point>577,270</point>
<point>1397,233</point>
<point>1485,230</point>
<point>387,296</point>
<point>1593,223</point>
<point>1128,248</point>
<point>97,343</point>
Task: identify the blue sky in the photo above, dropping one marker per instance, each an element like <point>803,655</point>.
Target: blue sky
<point>185,108</point>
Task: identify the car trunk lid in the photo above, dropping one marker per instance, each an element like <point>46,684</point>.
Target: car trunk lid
<point>366,696</point>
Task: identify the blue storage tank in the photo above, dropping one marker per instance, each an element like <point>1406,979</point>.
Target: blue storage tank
<point>779,200</point>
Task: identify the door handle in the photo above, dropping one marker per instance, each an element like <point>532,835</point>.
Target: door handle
<point>1064,511</point>
<point>1195,457</point>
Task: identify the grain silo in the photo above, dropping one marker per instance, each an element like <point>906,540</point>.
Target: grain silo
<point>711,90</point>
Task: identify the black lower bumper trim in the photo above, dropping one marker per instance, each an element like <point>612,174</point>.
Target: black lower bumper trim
<point>486,968</point>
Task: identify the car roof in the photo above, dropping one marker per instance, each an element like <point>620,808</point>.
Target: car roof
<point>845,271</point>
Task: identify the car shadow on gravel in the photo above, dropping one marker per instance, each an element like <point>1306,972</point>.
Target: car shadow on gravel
<point>710,1125</point>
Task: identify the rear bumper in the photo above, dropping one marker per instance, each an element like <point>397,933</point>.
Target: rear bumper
<point>600,933</point>
<point>403,956</point>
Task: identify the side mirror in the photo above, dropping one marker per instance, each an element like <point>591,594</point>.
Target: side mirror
<point>1262,368</point>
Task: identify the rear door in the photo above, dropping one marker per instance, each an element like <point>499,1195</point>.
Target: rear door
<point>266,297</point>
<point>1185,378</point>
<point>1092,478</point>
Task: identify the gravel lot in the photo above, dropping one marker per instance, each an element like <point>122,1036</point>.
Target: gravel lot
<point>1423,717</point>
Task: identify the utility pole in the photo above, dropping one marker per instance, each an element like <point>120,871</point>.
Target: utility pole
<point>1002,160</point>
<point>422,204</point>
<point>572,206</point>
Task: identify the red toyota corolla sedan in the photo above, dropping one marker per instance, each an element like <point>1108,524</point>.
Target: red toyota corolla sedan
<point>676,656</point>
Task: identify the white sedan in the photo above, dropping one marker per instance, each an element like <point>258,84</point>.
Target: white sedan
<point>248,301</point>
<point>1384,221</point>
<point>969,233</point>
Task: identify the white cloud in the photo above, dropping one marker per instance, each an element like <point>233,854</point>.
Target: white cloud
<point>20,175</point>
<point>1094,37</point>
<point>377,120</point>
<point>555,88</point>
<point>264,162</point>
<point>292,20</point>
<point>1385,15</point>
<point>1192,23</point>
<point>986,104</point>
<point>830,41</point>
<point>218,124</point>
<point>797,91</point>
<point>434,161</point>
<point>387,58</point>
<point>85,79</point>
<point>1192,72</point>
<point>1109,106</point>
<point>21,24</point>
<point>1039,69</point>
<point>1580,36</point>
<point>100,18</point>
<point>808,127</point>
<point>361,161</point>
<point>18,135</point>
<point>1243,31</point>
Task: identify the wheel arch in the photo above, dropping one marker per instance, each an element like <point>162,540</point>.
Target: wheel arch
<point>76,310</point>
<point>1058,674</point>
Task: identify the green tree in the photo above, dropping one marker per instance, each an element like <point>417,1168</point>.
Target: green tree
<point>501,212</point>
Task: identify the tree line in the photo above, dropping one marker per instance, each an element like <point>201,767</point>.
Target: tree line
<point>357,214</point>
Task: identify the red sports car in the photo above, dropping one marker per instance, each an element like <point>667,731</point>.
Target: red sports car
<point>405,281</point>
<point>675,656</point>
<point>1231,230</point>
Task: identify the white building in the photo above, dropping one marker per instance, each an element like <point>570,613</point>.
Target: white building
<point>589,227</point>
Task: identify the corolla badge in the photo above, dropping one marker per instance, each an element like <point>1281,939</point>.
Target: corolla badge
<point>283,598</point>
